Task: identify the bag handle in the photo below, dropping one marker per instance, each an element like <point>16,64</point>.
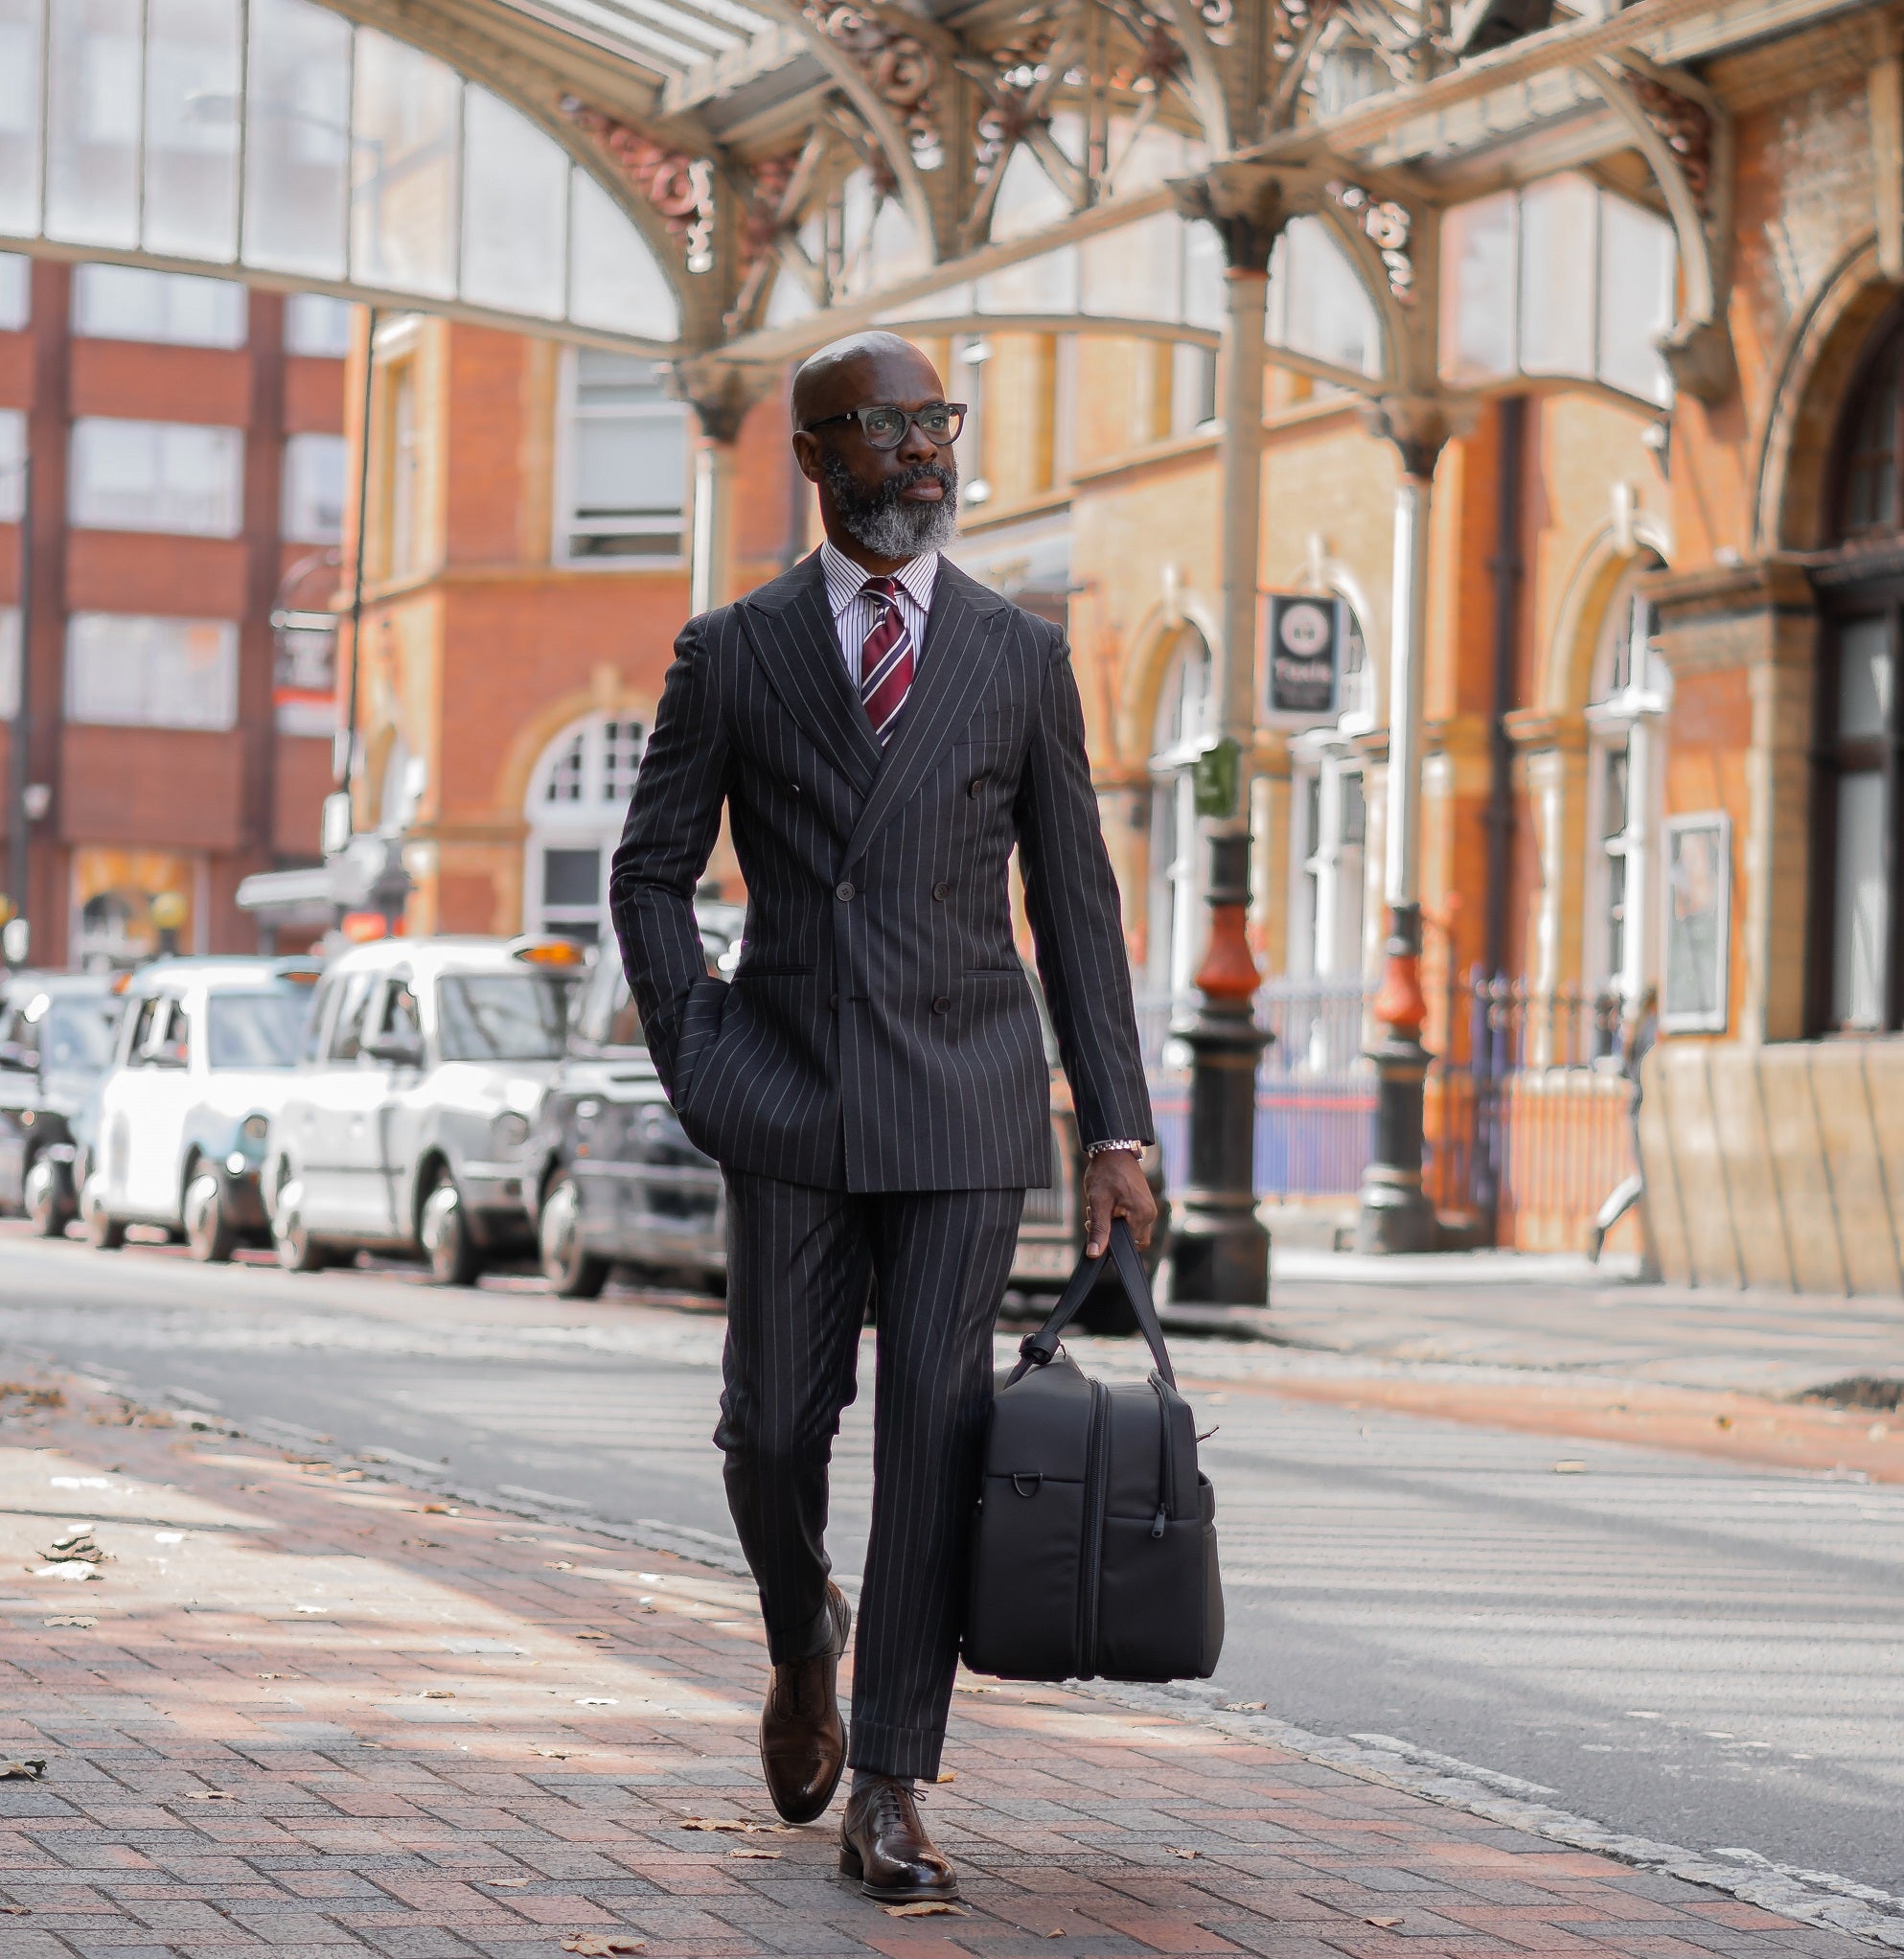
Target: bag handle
<point>1040,1349</point>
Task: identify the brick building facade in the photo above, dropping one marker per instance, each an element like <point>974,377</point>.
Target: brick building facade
<point>187,455</point>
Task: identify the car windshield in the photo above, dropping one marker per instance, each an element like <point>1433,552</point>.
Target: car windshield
<point>256,1030</point>
<point>76,1036</point>
<point>503,1016</point>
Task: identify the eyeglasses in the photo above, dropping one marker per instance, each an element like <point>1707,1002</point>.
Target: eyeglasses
<point>884,427</point>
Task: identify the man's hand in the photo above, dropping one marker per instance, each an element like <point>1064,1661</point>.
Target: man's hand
<point>1113,1187</point>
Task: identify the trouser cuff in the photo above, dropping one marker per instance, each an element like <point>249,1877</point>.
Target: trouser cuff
<point>882,1750</point>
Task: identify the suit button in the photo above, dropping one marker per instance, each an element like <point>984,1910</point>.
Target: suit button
<point>941,892</point>
<point>973,787</point>
<point>942,1005</point>
<point>846,894</point>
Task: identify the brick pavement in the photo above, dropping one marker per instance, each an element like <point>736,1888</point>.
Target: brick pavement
<point>314,1712</point>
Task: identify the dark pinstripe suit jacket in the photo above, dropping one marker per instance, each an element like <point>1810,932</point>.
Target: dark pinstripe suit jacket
<point>878,1033</point>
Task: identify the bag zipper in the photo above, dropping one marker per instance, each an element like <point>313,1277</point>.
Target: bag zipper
<point>1166,1479</point>
<point>1097,1490</point>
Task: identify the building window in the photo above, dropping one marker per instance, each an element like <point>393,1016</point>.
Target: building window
<point>13,455</point>
<point>624,460</point>
<point>1857,973</point>
<point>968,361</point>
<point>406,470</point>
<point>16,291</point>
<point>176,309</point>
<point>317,325</point>
<point>314,498</point>
<point>1185,714</point>
<point>10,661</point>
<point>578,799</point>
<point>171,476</point>
<point>1328,816</point>
<point>127,671</point>
<point>1630,691</point>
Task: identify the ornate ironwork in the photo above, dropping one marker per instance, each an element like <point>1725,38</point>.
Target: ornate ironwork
<point>902,71</point>
<point>1685,127</point>
<point>680,188</point>
<point>1388,227</point>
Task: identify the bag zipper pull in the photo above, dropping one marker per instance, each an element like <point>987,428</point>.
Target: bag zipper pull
<point>1157,1522</point>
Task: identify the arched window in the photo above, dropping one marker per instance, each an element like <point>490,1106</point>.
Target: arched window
<point>1857,975</point>
<point>1186,715</point>
<point>1328,826</point>
<point>577,797</point>
<point>1629,690</point>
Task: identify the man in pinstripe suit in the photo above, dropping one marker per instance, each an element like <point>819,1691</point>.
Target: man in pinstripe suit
<point>882,730</point>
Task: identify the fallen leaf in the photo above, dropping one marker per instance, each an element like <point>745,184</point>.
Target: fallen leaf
<point>927,1907</point>
<point>15,1911</point>
<point>1722,1421</point>
<point>1385,1922</point>
<point>596,1700</point>
<point>1057,1934</point>
<point>1248,1706</point>
<point>1570,1469</point>
<point>71,1569</point>
<point>770,1855</point>
<point>600,1945</point>
<point>422,1544</point>
<point>349,1475</point>
<point>505,1883</point>
<point>441,1510</point>
<point>32,1769</point>
<point>271,1677</point>
<point>1180,1853</point>
<point>210,1796</point>
<point>554,1754</point>
<point>945,1775</point>
<point>438,1693</point>
<point>71,1619</point>
<point>739,1824</point>
<point>594,1635</point>
<point>563,1566</point>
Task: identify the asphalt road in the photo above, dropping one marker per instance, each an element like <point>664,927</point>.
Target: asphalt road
<point>1678,1648</point>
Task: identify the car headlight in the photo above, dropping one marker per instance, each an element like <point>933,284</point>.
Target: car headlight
<point>508,1132</point>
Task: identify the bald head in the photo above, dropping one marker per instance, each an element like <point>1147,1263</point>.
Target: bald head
<point>859,370</point>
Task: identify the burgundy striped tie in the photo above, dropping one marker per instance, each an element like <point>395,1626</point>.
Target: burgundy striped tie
<point>886,660</point>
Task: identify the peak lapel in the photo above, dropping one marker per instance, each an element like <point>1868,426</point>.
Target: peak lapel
<point>789,627</point>
<point>963,639</point>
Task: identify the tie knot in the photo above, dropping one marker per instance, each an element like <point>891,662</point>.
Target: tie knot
<point>881,587</point>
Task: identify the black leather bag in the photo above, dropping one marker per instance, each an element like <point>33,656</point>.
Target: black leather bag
<point>1093,1549</point>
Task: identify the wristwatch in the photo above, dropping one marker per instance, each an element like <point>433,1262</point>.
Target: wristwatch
<point>1098,1149</point>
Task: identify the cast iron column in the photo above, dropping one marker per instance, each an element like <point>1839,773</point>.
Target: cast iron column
<point>1396,1215</point>
<point>721,397</point>
<point>1220,1252</point>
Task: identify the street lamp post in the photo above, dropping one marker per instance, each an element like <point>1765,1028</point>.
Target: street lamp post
<point>1396,1215</point>
<point>20,799</point>
<point>1220,1252</point>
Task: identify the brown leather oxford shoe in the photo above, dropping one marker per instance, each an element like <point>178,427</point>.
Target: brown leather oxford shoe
<point>883,1844</point>
<point>802,1739</point>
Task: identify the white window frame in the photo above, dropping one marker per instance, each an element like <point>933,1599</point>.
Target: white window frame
<point>292,524</point>
<point>228,522</point>
<point>168,285</point>
<point>141,629</point>
<point>15,293</point>
<point>12,460</point>
<point>303,338</point>
<point>1327,865</point>
<point>1179,887</point>
<point>565,521</point>
<point>600,753</point>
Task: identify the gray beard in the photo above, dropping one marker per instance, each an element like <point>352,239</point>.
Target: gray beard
<point>888,527</point>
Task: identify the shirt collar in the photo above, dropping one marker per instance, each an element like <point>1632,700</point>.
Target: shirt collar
<point>846,579</point>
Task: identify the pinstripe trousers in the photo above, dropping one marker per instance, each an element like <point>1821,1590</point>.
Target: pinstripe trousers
<point>802,1263</point>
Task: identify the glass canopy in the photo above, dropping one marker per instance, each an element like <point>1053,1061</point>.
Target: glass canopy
<point>275,137</point>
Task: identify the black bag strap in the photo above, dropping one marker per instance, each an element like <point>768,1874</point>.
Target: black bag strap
<point>1038,1349</point>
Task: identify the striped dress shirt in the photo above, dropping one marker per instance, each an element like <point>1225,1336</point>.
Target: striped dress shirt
<point>854,614</point>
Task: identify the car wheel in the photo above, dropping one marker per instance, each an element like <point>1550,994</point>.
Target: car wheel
<point>297,1251</point>
<point>444,1230</point>
<point>209,1235</point>
<point>103,1232</point>
<point>40,1198</point>
<point>573,1273</point>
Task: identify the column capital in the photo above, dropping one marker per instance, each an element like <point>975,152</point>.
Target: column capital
<point>1249,203</point>
<point>1421,427</point>
<point>722,392</point>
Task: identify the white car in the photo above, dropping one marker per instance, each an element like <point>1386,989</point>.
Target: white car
<point>425,1060</point>
<point>205,1053</point>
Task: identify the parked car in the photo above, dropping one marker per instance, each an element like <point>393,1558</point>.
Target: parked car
<point>56,1042</point>
<point>424,1062</point>
<point>204,1056</point>
<point>614,1180</point>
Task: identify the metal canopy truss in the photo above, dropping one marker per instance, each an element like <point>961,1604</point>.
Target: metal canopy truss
<point>732,181</point>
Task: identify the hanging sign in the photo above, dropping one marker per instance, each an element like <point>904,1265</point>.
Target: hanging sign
<point>1302,633</point>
